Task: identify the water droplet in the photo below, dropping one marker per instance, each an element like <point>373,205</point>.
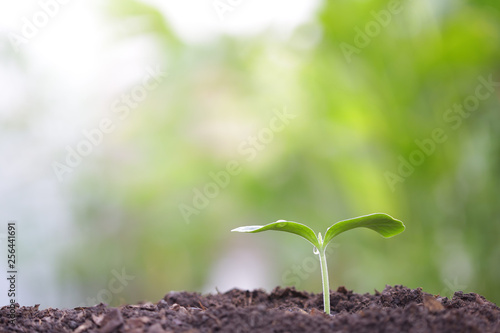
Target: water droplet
<point>315,250</point>
<point>282,223</point>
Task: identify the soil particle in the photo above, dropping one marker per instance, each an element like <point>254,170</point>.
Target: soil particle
<point>111,321</point>
<point>395,309</point>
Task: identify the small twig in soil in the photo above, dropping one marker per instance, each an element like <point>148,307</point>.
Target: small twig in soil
<point>201,306</point>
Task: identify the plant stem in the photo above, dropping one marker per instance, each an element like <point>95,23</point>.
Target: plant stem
<point>324,279</point>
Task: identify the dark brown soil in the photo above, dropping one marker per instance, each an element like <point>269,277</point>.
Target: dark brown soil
<point>396,309</point>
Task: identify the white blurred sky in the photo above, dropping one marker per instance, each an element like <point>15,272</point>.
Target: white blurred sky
<point>71,72</point>
<point>193,20</point>
<point>197,20</point>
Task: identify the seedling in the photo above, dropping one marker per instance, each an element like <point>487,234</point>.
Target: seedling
<point>384,224</point>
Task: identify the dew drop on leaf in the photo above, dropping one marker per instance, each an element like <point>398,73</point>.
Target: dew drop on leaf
<point>282,223</point>
<point>315,250</point>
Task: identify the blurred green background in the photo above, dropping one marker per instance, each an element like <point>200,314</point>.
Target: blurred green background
<point>388,112</point>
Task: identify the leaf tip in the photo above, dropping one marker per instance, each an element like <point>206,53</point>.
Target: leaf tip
<point>248,228</point>
<point>398,227</point>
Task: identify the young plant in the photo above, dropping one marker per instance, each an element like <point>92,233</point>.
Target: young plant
<point>384,224</point>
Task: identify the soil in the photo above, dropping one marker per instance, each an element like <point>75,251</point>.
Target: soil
<point>396,309</point>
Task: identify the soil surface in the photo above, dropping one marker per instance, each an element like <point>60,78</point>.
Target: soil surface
<point>396,309</point>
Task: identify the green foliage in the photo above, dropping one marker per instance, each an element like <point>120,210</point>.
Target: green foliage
<point>384,224</point>
<point>355,122</point>
<point>282,225</point>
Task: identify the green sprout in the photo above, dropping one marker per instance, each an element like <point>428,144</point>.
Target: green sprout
<point>384,224</point>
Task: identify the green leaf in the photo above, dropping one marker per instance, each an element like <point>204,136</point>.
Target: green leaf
<point>282,225</point>
<point>384,224</point>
